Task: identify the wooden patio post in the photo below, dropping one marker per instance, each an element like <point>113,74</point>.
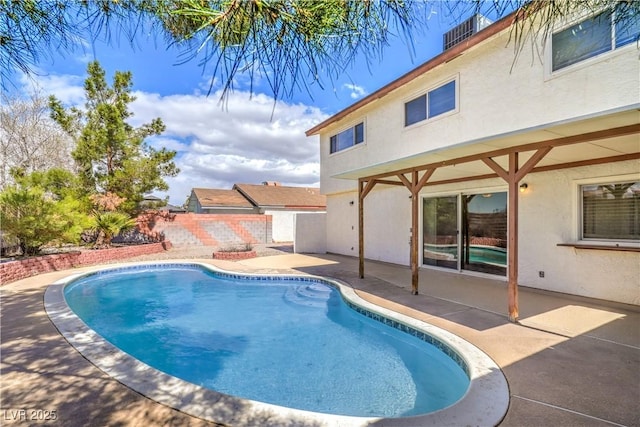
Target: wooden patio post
<point>512,232</point>
<point>414,233</point>
<point>361,228</point>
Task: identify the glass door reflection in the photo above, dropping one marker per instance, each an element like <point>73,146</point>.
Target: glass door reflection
<point>440,231</point>
<point>484,233</point>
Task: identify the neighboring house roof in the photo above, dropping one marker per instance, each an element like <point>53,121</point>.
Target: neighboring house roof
<point>444,57</point>
<point>214,198</point>
<point>275,195</point>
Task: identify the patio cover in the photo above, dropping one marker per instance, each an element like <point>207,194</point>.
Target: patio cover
<point>608,137</point>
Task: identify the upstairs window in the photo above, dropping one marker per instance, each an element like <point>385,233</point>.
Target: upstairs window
<point>347,138</point>
<point>434,103</point>
<point>593,36</point>
<point>611,211</point>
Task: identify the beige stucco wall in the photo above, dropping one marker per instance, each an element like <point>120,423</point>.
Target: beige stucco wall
<point>549,215</point>
<point>310,232</point>
<point>497,95</point>
<point>284,223</point>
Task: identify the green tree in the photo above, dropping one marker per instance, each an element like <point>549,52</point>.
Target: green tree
<point>112,155</point>
<point>36,216</point>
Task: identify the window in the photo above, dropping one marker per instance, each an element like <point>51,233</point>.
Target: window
<point>347,138</point>
<point>611,211</point>
<point>627,30</point>
<point>591,37</point>
<point>434,103</point>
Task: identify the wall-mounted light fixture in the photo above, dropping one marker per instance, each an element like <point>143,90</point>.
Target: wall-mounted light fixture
<point>351,203</point>
<point>523,187</point>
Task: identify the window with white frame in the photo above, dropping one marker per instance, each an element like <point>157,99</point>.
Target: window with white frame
<point>433,103</point>
<point>610,211</point>
<point>593,36</point>
<point>347,138</point>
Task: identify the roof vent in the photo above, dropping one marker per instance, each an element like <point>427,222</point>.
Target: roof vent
<point>464,30</point>
<point>271,183</point>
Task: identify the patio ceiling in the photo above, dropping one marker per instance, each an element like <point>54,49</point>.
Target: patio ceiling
<point>609,137</point>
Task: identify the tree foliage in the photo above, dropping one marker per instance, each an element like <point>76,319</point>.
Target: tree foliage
<point>36,30</point>
<point>29,140</point>
<point>292,44</point>
<point>109,224</point>
<point>111,154</point>
<point>37,211</point>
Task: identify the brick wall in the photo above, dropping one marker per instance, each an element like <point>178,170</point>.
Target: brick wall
<point>219,230</point>
<point>16,270</point>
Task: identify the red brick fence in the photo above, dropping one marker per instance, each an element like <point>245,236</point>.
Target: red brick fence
<point>16,270</point>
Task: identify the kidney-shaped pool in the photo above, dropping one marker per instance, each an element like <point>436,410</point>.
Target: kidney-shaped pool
<point>298,342</point>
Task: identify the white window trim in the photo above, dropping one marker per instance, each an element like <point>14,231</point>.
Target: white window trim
<point>549,74</point>
<point>342,129</point>
<point>577,210</point>
<point>416,95</point>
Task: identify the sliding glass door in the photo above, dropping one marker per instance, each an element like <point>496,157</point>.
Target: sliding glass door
<point>466,232</point>
<point>440,231</point>
<point>484,233</point>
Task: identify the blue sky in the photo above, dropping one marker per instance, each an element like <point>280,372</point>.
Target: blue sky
<point>250,139</point>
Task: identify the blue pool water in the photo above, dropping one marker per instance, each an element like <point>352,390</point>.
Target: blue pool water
<point>477,254</point>
<point>292,343</point>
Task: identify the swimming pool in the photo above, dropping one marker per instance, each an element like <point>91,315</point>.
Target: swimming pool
<point>104,306</point>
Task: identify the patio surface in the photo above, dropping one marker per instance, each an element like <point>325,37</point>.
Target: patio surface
<point>570,362</point>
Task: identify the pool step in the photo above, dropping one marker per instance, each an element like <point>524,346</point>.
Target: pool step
<point>312,295</point>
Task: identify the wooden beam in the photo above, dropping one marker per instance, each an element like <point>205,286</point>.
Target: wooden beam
<point>496,168</point>
<point>512,239</point>
<point>568,165</point>
<point>590,162</point>
<point>370,184</point>
<point>556,142</point>
<point>423,181</point>
<point>533,160</point>
<point>388,182</point>
<point>405,181</point>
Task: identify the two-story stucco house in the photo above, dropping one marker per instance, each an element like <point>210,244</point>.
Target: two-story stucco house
<point>480,163</point>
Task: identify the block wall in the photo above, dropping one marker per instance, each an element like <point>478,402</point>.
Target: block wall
<point>219,230</point>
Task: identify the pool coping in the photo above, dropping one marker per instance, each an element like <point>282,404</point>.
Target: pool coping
<point>485,402</point>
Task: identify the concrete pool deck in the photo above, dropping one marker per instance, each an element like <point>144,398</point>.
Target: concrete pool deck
<point>570,361</point>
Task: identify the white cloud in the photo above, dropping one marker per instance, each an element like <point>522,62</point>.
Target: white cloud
<point>248,139</point>
<point>67,88</point>
<point>356,91</point>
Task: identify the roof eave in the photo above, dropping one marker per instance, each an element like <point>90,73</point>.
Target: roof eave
<point>444,57</point>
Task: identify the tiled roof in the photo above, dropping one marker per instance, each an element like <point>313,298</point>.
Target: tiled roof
<point>210,197</point>
<point>281,196</point>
